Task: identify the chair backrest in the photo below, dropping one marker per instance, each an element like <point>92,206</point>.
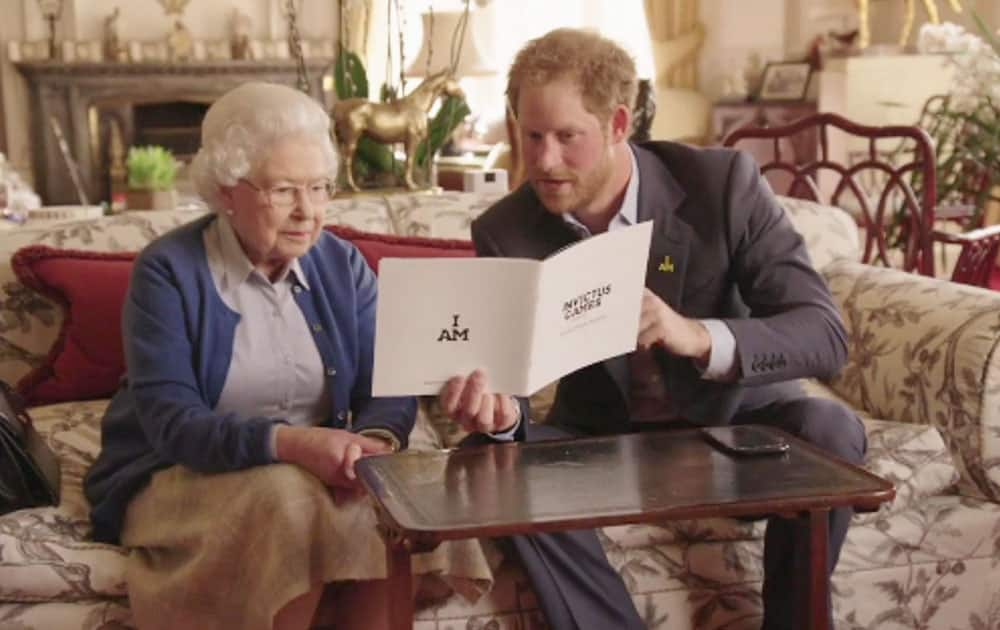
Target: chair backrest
<point>884,176</point>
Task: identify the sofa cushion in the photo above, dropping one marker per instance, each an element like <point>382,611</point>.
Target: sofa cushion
<point>361,212</point>
<point>829,233</point>
<point>446,215</point>
<point>86,361</point>
<point>31,321</point>
<point>45,553</point>
<point>914,457</point>
<point>374,247</point>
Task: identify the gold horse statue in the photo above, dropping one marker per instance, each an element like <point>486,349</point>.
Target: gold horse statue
<point>403,120</point>
<point>864,36</point>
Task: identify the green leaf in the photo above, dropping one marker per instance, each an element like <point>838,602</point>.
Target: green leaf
<point>452,112</point>
<point>349,76</point>
<point>377,155</point>
<point>151,168</point>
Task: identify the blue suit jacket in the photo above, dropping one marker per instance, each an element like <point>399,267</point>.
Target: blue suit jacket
<point>178,336</point>
<point>733,255</point>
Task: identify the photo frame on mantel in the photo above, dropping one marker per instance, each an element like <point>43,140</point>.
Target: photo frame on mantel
<point>785,81</point>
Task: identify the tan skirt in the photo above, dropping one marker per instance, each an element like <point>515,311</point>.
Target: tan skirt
<point>230,550</point>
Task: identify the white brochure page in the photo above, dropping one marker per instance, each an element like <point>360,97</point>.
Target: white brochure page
<point>441,317</point>
<point>590,299</point>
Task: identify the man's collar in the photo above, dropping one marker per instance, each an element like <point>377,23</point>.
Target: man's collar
<point>628,212</point>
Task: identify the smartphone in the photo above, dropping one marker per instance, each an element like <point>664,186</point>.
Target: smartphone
<point>745,440</point>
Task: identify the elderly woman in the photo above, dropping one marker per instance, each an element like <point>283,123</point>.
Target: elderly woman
<point>227,462</point>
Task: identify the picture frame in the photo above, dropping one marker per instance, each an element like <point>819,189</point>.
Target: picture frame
<point>785,81</point>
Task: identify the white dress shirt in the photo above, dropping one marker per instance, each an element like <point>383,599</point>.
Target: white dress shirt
<point>722,359</point>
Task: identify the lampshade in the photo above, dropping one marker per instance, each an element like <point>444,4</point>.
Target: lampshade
<point>470,60</point>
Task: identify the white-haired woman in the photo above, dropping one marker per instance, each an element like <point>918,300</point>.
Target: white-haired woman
<point>248,341</point>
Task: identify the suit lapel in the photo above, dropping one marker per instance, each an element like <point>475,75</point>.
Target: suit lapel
<point>659,198</point>
<point>660,195</point>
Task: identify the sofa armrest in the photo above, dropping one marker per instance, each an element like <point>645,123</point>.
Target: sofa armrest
<point>923,351</point>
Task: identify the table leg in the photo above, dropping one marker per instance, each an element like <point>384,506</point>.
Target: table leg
<point>400,587</point>
<point>817,609</point>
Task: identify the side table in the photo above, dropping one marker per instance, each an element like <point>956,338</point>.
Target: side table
<point>423,498</point>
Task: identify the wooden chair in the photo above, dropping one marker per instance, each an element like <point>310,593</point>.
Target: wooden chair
<point>884,175</point>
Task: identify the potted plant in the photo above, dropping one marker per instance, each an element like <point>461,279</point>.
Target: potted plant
<point>152,171</point>
<point>966,125</point>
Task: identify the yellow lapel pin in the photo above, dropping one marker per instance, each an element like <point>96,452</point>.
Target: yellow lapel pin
<point>667,266</point>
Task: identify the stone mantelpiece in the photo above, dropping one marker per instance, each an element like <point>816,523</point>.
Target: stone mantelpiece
<point>86,97</point>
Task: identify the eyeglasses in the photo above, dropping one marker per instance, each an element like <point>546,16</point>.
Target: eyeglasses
<point>286,195</point>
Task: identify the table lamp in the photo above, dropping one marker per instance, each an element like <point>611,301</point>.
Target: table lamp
<point>437,44</point>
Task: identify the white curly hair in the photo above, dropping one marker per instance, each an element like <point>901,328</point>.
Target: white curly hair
<point>240,126</point>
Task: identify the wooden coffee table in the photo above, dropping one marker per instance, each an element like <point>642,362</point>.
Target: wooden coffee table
<point>424,498</point>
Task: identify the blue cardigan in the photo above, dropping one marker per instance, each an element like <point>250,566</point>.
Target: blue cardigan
<point>178,338</point>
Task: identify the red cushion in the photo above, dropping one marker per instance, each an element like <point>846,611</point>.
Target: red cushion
<point>86,360</point>
<point>375,247</point>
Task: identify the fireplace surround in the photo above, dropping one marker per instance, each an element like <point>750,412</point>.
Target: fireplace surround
<point>158,103</point>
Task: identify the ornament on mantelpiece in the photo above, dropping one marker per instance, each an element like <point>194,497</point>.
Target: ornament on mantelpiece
<point>174,7</point>
<point>180,45</point>
<point>112,46</point>
<point>239,44</point>
<point>51,10</point>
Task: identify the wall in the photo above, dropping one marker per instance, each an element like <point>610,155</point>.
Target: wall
<point>775,29</point>
<point>887,16</point>
<point>783,29</point>
<point>734,30</point>
<point>143,20</point>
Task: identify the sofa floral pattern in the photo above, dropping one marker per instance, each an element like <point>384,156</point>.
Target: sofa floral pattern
<point>922,375</point>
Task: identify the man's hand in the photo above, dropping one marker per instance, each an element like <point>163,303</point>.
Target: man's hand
<point>329,454</point>
<point>467,400</point>
<point>661,325</point>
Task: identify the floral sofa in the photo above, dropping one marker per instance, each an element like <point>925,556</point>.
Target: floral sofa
<point>923,373</point>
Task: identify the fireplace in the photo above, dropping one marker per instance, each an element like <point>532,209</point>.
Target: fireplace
<point>174,125</point>
<point>146,103</point>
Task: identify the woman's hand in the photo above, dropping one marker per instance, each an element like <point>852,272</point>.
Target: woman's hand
<point>329,454</point>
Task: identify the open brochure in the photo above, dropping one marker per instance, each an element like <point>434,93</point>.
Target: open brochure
<point>525,322</point>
